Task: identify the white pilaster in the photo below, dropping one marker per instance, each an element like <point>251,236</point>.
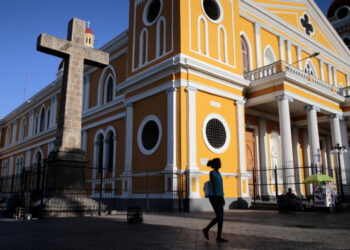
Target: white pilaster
<point>329,156</point>
<point>289,52</point>
<point>330,75</point>
<point>335,76</point>
<point>300,63</point>
<point>242,171</point>
<point>263,157</point>
<point>258,45</point>
<point>314,140</point>
<point>171,143</point>
<point>192,143</point>
<point>128,147</point>
<point>297,162</point>
<point>286,141</point>
<point>84,140</point>
<point>86,93</point>
<point>322,69</point>
<point>28,156</point>
<point>282,50</point>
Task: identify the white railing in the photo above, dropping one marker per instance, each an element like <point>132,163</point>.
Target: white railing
<point>344,91</point>
<point>282,66</point>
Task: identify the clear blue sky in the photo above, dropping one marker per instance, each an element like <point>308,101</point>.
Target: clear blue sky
<point>23,20</point>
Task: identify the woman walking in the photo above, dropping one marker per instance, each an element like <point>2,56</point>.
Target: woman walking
<point>216,198</point>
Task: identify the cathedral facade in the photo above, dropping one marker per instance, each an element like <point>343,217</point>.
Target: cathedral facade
<point>261,84</point>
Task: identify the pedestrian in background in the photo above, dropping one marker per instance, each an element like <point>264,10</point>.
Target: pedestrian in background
<point>216,198</point>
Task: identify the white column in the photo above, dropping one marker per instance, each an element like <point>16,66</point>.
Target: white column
<point>322,69</point>
<point>345,142</point>
<point>336,139</point>
<point>297,163</point>
<point>307,157</point>
<point>243,188</point>
<point>192,143</point>
<point>171,143</point>
<point>282,50</point>
<point>128,147</point>
<point>264,163</point>
<point>258,45</point>
<point>286,141</point>
<point>289,52</point>
<point>314,140</point>
<point>300,63</point>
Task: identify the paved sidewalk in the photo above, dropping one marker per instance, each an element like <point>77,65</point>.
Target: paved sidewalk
<point>245,229</point>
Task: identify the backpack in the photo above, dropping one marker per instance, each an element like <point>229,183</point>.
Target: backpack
<point>206,189</point>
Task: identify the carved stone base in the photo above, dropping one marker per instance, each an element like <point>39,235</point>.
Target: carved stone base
<point>65,186</point>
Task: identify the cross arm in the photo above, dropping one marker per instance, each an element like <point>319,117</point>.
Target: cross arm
<point>95,57</point>
<point>53,45</point>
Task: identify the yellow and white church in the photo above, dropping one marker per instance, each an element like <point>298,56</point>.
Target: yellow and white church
<point>261,84</point>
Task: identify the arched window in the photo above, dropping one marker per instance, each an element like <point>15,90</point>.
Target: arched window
<point>36,125</point>
<point>161,37</point>
<point>143,54</point>
<point>38,167</point>
<point>245,55</point>
<point>309,68</point>
<point>269,56</point>
<point>100,142</point>
<point>109,90</point>
<point>110,157</point>
<point>42,120</point>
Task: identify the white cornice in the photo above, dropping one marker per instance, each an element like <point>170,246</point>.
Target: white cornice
<point>290,30</point>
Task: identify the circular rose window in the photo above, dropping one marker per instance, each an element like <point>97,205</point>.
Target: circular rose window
<point>216,133</point>
<point>149,135</point>
<point>152,11</point>
<point>213,10</point>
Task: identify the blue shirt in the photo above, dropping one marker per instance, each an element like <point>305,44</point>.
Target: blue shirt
<point>217,183</point>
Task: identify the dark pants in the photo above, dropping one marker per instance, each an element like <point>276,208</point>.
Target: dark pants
<point>218,206</point>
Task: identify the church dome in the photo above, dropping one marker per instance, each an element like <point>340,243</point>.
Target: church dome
<point>89,31</point>
<point>336,9</point>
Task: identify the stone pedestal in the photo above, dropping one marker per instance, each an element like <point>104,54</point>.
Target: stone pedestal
<point>65,186</point>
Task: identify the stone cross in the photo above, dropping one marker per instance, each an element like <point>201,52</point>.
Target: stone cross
<point>75,53</point>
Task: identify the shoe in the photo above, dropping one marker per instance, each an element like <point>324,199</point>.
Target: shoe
<point>221,240</point>
<point>205,233</point>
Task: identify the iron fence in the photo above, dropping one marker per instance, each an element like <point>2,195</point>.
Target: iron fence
<point>268,184</point>
<point>103,189</point>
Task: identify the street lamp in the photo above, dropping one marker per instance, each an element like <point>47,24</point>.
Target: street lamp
<point>310,56</point>
<point>339,149</point>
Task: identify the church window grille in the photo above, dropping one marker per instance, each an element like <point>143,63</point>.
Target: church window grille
<point>309,69</point>
<point>4,168</point>
<point>245,55</point>
<point>216,133</point>
<point>212,9</point>
<point>149,135</point>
